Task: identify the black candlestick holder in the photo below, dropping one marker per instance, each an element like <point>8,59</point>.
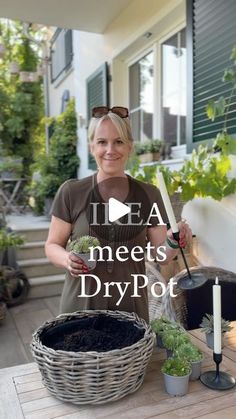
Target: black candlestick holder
<point>192,280</point>
<point>217,380</point>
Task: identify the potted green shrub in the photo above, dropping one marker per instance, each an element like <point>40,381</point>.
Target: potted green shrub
<point>142,150</point>
<point>176,373</point>
<point>81,248</point>
<point>14,286</point>
<point>155,148</point>
<point>207,326</point>
<point>173,338</point>
<point>161,325</point>
<point>193,355</point>
<point>148,151</point>
<point>8,239</point>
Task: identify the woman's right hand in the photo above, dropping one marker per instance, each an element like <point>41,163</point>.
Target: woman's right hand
<point>76,266</point>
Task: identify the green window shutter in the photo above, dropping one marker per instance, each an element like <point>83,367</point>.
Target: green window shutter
<point>61,52</point>
<point>97,95</point>
<point>211,34</point>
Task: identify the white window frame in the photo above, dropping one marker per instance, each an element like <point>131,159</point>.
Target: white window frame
<point>155,46</point>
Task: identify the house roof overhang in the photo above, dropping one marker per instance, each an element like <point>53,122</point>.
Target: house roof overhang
<point>85,15</point>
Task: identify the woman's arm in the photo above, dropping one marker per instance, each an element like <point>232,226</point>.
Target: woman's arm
<point>55,248</point>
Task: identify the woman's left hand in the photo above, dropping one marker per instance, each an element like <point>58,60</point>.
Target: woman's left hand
<point>185,233</point>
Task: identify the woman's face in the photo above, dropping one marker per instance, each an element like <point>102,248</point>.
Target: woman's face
<point>109,150</point>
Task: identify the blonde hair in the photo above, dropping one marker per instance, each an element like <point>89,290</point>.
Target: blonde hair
<point>122,125</point>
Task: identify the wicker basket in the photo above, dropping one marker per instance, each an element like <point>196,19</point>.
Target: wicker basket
<point>93,377</point>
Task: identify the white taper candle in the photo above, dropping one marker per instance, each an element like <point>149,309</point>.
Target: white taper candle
<point>167,203</point>
<point>217,316</point>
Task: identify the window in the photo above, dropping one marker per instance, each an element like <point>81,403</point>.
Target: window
<point>173,52</point>
<point>141,97</point>
<point>158,106</point>
<point>61,52</point>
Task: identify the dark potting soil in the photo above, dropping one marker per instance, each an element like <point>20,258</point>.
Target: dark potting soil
<point>100,333</point>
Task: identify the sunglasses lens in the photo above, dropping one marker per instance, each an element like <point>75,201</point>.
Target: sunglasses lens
<point>100,111</point>
<point>120,111</point>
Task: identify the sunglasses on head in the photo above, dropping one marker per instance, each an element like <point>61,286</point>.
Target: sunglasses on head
<point>100,111</point>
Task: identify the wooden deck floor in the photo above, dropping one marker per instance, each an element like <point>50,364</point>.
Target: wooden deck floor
<point>17,328</point>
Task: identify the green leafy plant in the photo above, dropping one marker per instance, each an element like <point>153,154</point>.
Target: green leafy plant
<point>189,352</point>
<point>83,244</point>
<point>145,173</point>
<point>149,146</point>
<point>9,239</point>
<point>221,107</point>
<point>203,175</point>
<point>207,324</point>
<point>21,103</point>
<point>176,367</point>
<point>142,148</point>
<point>61,162</point>
<point>173,338</point>
<point>163,324</point>
<point>155,146</point>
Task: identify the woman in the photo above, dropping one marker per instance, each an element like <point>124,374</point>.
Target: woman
<point>73,212</point>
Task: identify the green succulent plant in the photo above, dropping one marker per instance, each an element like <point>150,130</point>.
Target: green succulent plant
<point>207,324</point>
<point>189,352</point>
<point>173,338</point>
<point>163,324</point>
<point>176,367</point>
<point>83,244</point>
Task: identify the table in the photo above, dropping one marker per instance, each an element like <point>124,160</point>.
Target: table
<point>23,395</point>
<point>10,198</point>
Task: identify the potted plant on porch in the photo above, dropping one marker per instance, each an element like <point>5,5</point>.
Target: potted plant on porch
<point>8,239</point>
<point>148,151</point>
<point>193,355</point>
<point>161,325</point>
<point>172,339</point>
<point>176,373</point>
<point>207,326</point>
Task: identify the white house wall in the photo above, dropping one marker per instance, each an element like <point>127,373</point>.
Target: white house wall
<point>56,91</point>
<point>214,224</point>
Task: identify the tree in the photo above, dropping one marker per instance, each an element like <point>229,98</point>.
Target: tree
<point>21,103</point>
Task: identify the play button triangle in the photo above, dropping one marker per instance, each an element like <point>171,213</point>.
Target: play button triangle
<point>116,209</point>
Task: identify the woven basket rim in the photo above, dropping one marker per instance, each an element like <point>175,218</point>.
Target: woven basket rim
<point>37,334</point>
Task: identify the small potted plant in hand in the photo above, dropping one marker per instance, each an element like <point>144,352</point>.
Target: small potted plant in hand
<point>174,338</point>
<point>159,326</point>
<point>81,248</point>
<point>193,355</point>
<point>207,326</point>
<point>176,373</point>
